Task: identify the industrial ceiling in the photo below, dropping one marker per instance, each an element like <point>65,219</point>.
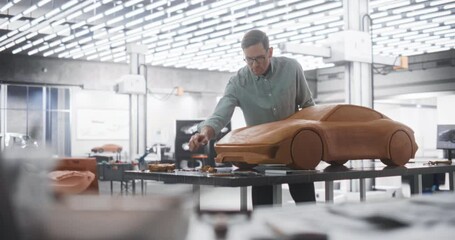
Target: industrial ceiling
<point>206,34</point>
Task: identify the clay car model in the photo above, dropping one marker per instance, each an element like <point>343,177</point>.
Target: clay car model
<point>107,148</point>
<point>331,133</point>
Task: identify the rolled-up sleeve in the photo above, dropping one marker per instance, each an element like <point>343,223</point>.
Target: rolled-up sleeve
<point>223,111</point>
<point>303,94</point>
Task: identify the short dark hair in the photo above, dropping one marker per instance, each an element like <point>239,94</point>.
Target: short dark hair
<point>254,37</point>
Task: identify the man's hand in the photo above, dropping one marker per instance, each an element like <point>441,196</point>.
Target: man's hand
<point>201,139</point>
<point>198,140</point>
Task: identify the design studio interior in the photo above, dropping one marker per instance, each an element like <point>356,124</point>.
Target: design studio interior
<point>172,119</point>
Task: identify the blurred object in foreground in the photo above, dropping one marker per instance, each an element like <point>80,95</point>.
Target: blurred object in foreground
<point>105,217</point>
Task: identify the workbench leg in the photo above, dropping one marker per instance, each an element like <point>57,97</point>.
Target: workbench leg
<point>243,199</point>
<point>328,191</point>
<point>133,186</point>
<point>197,197</point>
<point>142,187</point>
<point>112,188</point>
<point>451,181</point>
<point>277,195</point>
<point>362,189</point>
<point>418,184</point>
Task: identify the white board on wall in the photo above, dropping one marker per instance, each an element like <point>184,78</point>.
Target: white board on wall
<point>95,124</point>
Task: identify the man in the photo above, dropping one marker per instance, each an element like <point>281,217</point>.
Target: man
<point>267,89</point>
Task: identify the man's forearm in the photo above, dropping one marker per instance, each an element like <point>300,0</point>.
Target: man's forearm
<point>208,131</point>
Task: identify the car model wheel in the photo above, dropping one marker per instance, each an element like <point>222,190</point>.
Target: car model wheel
<point>306,149</point>
<point>388,162</point>
<point>400,149</point>
<point>244,166</point>
<point>337,163</point>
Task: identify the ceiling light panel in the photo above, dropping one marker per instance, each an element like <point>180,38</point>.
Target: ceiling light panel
<point>184,33</point>
<point>411,27</point>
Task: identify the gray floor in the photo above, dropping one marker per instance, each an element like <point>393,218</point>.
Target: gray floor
<point>225,198</point>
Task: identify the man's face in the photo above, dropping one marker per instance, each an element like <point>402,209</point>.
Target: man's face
<point>258,58</point>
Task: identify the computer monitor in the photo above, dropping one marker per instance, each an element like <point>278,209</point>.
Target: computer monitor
<point>446,138</point>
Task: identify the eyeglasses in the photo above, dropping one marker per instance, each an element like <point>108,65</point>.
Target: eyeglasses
<point>259,60</point>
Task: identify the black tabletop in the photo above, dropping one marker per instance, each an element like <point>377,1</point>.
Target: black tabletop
<point>266,175</point>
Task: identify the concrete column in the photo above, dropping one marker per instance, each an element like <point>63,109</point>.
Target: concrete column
<point>137,105</point>
<point>358,75</point>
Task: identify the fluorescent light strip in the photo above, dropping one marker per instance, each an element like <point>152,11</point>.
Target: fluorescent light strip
<point>406,34</point>
<point>312,29</point>
<point>392,31</point>
<point>427,38</point>
<point>434,3</point>
<point>30,9</point>
<point>155,5</point>
<point>250,19</point>
<point>421,12</point>
<point>69,4</point>
<point>386,19</point>
<point>446,19</point>
<point>173,18</point>
<point>327,7</point>
<point>449,6</point>
<point>407,9</point>
<point>401,21</point>
<point>134,23</point>
<point>315,38</point>
<point>177,7</point>
<point>326,31</point>
<point>378,15</point>
<point>197,10</point>
<point>414,24</point>
<point>15,18</point>
<point>394,5</point>
<point>233,17</point>
<point>430,25</point>
<point>242,28</point>
<point>296,14</point>
<point>266,21</point>
<point>327,20</point>
<point>59,49</point>
<point>135,12</point>
<point>261,8</point>
<point>49,37</point>
<point>436,14</point>
<point>115,20</point>
<point>78,25</point>
<point>170,27</point>
<point>113,10</point>
<point>300,36</point>
<point>298,26</point>
<point>436,29</point>
<point>131,3</point>
<point>215,14</point>
<point>444,32</point>
<point>311,18</point>
<point>7,6</point>
<point>393,40</point>
<point>94,18</point>
<point>92,7</point>
<point>307,4</point>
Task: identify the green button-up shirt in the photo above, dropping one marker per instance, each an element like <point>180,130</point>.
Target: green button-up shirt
<point>275,96</point>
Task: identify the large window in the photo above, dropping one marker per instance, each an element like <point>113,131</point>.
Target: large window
<point>36,116</point>
<point>58,128</point>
